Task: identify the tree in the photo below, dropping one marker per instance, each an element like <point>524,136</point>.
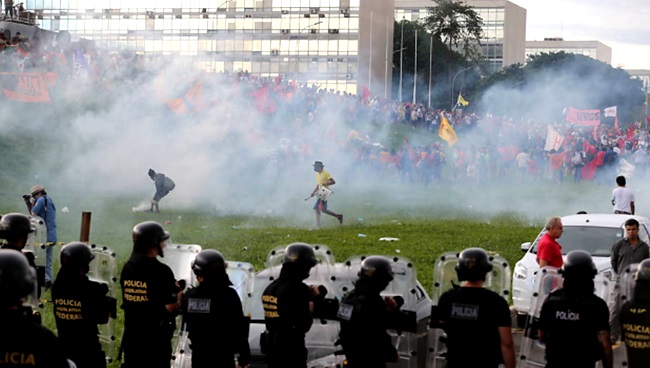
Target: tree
<point>551,82</point>
<point>459,26</point>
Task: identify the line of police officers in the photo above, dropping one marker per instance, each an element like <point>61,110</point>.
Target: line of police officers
<point>573,323</point>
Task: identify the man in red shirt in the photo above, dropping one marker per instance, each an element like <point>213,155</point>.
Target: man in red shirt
<point>549,251</point>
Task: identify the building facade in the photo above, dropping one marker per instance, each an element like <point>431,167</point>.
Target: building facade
<point>337,44</point>
<point>504,27</point>
<point>593,49</point>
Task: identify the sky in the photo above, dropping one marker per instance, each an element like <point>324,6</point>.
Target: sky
<point>621,25</point>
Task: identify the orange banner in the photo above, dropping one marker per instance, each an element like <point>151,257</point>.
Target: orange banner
<point>25,87</point>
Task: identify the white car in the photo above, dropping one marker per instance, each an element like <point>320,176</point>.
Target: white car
<point>594,233</point>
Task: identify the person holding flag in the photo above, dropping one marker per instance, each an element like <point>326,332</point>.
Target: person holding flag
<point>446,131</point>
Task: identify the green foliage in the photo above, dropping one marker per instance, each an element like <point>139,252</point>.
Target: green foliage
<point>458,25</point>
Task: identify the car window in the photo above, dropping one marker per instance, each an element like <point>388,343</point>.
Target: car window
<point>597,241</point>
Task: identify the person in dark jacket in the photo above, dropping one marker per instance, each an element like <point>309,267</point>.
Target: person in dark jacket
<point>288,306</point>
<point>635,319</point>
<point>213,316</point>
<point>79,306</point>
<point>163,184</point>
<point>365,316</point>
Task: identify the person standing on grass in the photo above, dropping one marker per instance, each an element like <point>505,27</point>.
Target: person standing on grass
<point>323,180</point>
<point>623,198</point>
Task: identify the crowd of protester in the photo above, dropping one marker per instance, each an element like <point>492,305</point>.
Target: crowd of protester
<point>489,148</point>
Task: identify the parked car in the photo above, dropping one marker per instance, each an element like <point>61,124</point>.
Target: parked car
<point>594,233</point>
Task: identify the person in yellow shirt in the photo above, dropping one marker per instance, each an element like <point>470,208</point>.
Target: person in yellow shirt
<point>323,180</point>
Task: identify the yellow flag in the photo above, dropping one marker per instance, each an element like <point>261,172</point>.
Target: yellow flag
<point>446,131</point>
<point>461,100</point>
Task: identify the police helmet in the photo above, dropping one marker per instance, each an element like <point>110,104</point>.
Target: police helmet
<point>13,225</point>
<point>17,277</point>
<point>148,234</point>
<point>209,262</point>
<point>377,269</point>
<point>76,255</point>
<point>300,254</point>
<point>473,265</point>
<point>643,271</point>
<point>579,264</point>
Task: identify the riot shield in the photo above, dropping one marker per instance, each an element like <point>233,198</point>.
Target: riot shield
<point>444,279</point>
<point>37,245</point>
<point>241,275</point>
<point>547,280</point>
<point>626,283</point>
<point>415,310</point>
<point>179,258</point>
<point>103,269</point>
<point>182,357</point>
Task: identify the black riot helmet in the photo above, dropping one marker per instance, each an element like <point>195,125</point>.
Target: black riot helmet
<point>300,254</point>
<point>76,256</point>
<point>17,278</point>
<point>209,263</point>
<point>642,273</point>
<point>578,264</point>
<point>473,265</point>
<point>14,226</point>
<point>378,270</point>
<point>148,234</point>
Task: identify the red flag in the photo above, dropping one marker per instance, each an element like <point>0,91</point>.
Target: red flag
<point>589,170</point>
<point>647,119</point>
<point>409,148</point>
<point>630,133</point>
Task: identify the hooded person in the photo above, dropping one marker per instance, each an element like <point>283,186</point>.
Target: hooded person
<point>163,185</point>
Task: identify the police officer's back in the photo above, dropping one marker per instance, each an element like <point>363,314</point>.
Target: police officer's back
<point>574,323</point>
<point>288,306</point>
<point>365,316</point>
<point>635,319</point>
<point>213,316</point>
<point>150,298</point>
<point>477,320</point>
<point>79,306</point>
<point>23,343</point>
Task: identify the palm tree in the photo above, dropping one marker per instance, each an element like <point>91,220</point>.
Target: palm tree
<point>459,26</point>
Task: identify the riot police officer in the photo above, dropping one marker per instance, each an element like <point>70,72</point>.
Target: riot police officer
<point>476,320</point>
<point>213,316</point>
<point>22,341</point>
<point>151,298</point>
<point>574,323</point>
<point>15,229</point>
<point>365,316</point>
<point>79,306</point>
<point>635,319</point>
<point>288,306</point>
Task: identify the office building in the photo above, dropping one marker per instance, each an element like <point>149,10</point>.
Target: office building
<point>504,27</point>
<point>593,49</point>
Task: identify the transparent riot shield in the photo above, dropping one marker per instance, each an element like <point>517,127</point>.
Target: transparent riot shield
<point>415,310</point>
<point>182,357</point>
<point>626,283</point>
<point>241,275</point>
<point>37,245</point>
<point>103,269</point>
<point>547,280</point>
<point>179,258</point>
<point>444,279</point>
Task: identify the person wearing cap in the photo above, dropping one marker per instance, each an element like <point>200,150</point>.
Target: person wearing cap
<point>323,180</point>
<point>635,319</point>
<point>164,185</point>
<point>43,207</point>
<point>79,306</point>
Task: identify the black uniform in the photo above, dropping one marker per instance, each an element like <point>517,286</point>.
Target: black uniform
<point>212,314</point>
<point>79,306</point>
<point>26,344</point>
<point>288,319</point>
<point>635,324</point>
<point>571,325</point>
<point>147,287</point>
<point>364,321</point>
<point>471,317</point>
